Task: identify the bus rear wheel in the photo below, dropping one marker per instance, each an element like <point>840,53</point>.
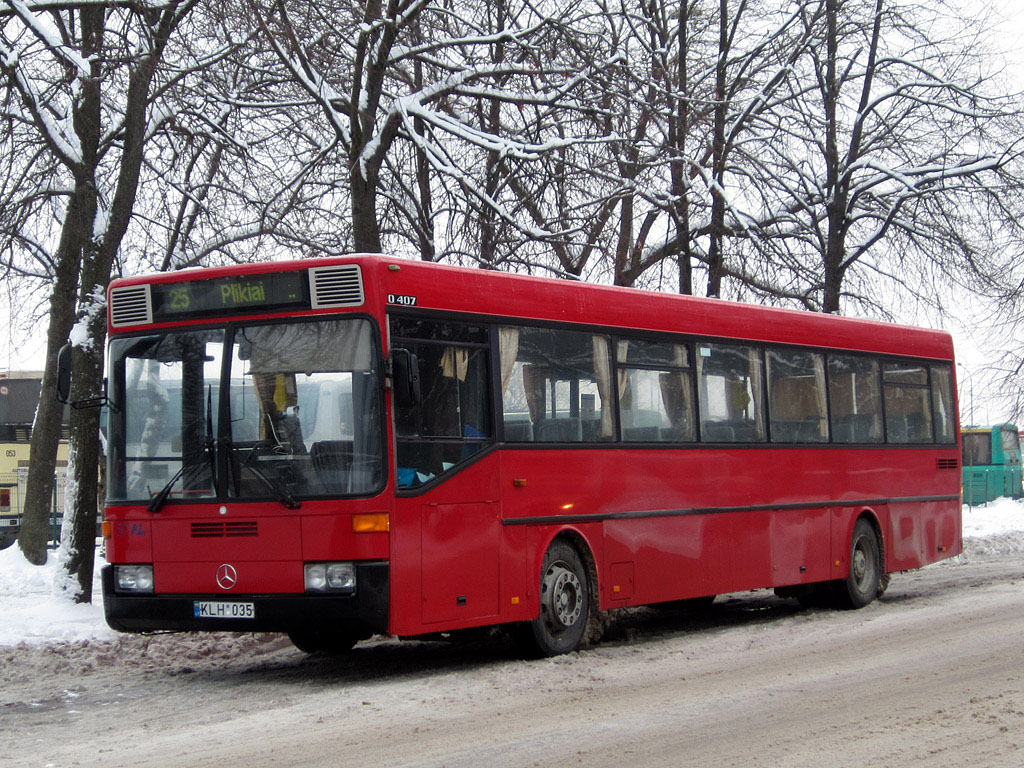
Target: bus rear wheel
<point>863,583</point>
<point>564,603</point>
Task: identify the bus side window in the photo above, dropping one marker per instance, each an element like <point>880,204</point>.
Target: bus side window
<point>452,421</point>
<point>908,405</point>
<point>796,396</point>
<point>730,380</point>
<point>942,403</point>
<point>855,399</point>
<point>556,386</point>
<point>1011,445</point>
<point>977,448</point>
<point>655,391</point>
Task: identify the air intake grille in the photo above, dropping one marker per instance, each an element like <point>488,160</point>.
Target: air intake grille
<point>224,530</point>
<point>130,305</point>
<point>948,463</point>
<point>337,286</point>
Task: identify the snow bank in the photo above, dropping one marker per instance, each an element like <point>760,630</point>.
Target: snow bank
<point>998,518</point>
<point>32,612</point>
<point>996,528</point>
<point>29,611</point>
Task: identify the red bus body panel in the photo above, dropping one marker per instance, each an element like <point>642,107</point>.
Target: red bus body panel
<point>658,523</point>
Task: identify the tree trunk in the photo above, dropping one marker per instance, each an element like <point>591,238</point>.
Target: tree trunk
<point>76,232</point>
<point>424,204</point>
<point>678,127</point>
<point>836,189</point>
<point>425,230</point>
<point>46,429</point>
<point>716,259</point>
<point>622,271</point>
<point>78,535</point>
<point>365,229</point>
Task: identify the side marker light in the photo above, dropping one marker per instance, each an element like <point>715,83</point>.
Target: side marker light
<point>371,523</point>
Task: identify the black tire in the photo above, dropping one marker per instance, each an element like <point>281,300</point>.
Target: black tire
<point>862,584</point>
<point>565,595</point>
<point>883,583</point>
<point>324,641</point>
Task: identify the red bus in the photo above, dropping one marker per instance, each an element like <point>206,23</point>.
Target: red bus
<point>364,445</point>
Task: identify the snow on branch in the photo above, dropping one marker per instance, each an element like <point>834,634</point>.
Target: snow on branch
<point>48,37</point>
<point>55,130</point>
<point>331,101</point>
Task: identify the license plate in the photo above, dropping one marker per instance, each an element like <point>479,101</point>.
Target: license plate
<point>208,609</point>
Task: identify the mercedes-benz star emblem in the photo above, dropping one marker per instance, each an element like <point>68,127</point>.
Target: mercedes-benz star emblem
<point>227,576</point>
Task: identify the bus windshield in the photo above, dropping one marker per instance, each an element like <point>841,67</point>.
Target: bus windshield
<point>302,416</point>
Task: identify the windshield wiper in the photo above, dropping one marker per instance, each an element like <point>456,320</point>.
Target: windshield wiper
<point>208,445</point>
<point>272,484</point>
<point>160,499</point>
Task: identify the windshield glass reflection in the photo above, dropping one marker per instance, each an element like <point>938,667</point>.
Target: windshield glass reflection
<point>303,416</point>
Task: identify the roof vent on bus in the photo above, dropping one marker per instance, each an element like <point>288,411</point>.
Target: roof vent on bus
<point>130,305</point>
<point>337,286</point>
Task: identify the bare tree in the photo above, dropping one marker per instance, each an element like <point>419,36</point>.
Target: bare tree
<point>899,129</point>
<point>417,72</point>
<point>78,83</point>
<point>105,99</point>
<point>696,99</point>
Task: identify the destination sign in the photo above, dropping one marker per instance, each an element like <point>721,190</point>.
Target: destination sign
<point>273,292</point>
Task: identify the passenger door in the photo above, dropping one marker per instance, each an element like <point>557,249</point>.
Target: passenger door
<point>439,444</point>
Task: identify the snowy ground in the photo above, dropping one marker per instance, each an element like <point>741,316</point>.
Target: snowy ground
<point>930,676</point>
<point>32,612</point>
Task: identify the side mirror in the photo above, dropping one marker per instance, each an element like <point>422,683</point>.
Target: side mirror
<point>405,378</point>
<point>64,374</point>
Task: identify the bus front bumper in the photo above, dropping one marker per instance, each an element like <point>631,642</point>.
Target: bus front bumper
<point>366,611</point>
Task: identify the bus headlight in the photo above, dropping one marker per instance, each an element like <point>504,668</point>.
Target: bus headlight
<point>331,577</point>
<point>134,578</point>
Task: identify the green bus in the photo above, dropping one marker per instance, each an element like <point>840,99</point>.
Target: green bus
<point>992,463</point>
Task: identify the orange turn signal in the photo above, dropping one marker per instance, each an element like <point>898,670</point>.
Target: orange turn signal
<point>107,528</point>
<point>373,523</point>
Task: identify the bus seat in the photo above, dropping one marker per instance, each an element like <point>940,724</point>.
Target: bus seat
<point>718,432</point>
<point>864,427</point>
<point>917,428</point>
<point>518,432</point>
<point>785,431</point>
<point>897,429</point>
<point>745,432</point>
<point>559,431</point>
<point>641,434</point>
<point>798,431</point>
<point>677,435</point>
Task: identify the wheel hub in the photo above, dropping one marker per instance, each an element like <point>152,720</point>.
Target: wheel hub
<point>860,565</point>
<point>562,597</point>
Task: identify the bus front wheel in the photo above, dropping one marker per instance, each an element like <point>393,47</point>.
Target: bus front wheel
<point>862,585</point>
<point>564,603</point>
